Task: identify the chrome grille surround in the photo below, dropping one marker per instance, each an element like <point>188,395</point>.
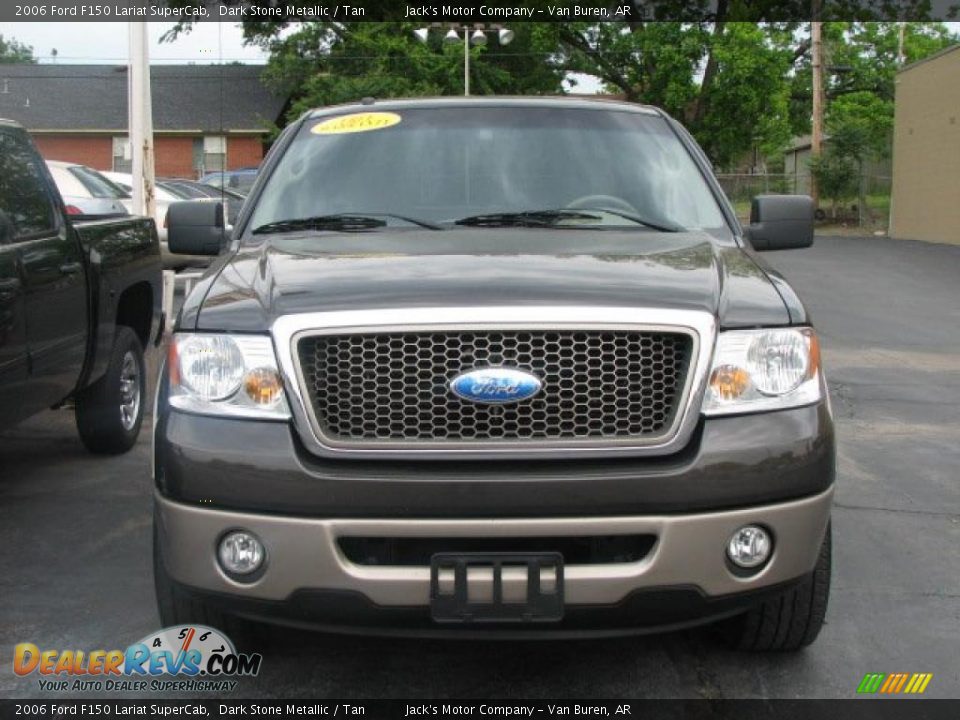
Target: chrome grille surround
<point>676,429</point>
<point>396,387</point>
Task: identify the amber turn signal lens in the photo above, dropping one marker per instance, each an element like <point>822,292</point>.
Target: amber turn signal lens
<point>263,386</point>
<point>729,382</point>
<point>814,355</point>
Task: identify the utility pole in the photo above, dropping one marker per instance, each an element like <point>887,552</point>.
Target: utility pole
<point>816,137</point>
<point>140,121</point>
<point>901,58</point>
<point>466,62</point>
<point>477,37</point>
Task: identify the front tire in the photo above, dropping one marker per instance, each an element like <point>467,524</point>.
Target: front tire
<point>788,622</point>
<point>110,412</point>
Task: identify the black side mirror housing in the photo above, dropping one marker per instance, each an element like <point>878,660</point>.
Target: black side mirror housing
<point>195,228</point>
<point>780,222</point>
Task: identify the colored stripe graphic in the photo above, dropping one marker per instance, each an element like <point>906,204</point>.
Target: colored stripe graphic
<point>894,683</point>
<point>870,683</point>
<point>927,677</point>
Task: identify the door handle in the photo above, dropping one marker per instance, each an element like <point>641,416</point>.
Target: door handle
<point>70,268</point>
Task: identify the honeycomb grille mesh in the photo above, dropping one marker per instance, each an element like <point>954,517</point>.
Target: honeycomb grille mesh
<point>597,385</point>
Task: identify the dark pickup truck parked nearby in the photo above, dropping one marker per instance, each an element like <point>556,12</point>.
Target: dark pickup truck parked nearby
<point>481,366</point>
<point>79,302</point>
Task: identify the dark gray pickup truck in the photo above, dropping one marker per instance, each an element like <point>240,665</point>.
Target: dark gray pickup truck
<point>79,302</point>
<point>481,366</point>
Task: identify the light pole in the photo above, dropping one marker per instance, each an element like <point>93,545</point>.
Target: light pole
<point>472,35</point>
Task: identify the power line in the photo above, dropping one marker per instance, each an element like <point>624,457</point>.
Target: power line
<point>93,59</point>
<point>205,61</point>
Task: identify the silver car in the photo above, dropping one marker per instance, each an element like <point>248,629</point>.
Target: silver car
<point>85,191</point>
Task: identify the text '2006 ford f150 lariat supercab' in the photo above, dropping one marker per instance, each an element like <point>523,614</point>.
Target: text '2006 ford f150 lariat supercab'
<point>494,366</point>
<point>80,301</point>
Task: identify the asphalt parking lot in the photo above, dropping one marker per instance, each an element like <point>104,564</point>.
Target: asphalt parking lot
<point>75,564</point>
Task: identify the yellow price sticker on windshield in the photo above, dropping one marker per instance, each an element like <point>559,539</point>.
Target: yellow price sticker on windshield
<point>358,122</point>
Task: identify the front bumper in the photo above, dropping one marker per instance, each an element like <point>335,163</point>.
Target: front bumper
<point>308,580</point>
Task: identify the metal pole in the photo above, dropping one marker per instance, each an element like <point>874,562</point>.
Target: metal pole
<point>901,57</point>
<point>816,137</point>
<point>466,62</point>
<point>141,121</point>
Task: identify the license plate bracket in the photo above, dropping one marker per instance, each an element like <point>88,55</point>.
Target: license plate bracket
<point>461,592</point>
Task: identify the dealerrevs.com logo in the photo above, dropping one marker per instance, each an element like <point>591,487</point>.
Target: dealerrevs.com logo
<point>202,658</point>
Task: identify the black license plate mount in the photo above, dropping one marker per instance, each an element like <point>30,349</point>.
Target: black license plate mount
<point>469,587</point>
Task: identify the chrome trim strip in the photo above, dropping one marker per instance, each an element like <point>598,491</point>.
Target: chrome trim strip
<point>701,326</point>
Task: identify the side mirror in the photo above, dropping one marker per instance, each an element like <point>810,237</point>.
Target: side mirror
<point>781,222</point>
<point>195,228</point>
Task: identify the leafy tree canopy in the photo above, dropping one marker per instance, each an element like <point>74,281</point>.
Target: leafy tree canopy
<point>12,51</point>
<point>738,86</point>
<point>327,63</point>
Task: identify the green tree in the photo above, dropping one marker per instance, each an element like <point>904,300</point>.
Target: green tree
<point>738,86</point>
<point>860,125</point>
<point>862,57</point>
<point>327,63</point>
<point>726,81</point>
<point>836,177</point>
<point>12,51</point>
<point>861,63</point>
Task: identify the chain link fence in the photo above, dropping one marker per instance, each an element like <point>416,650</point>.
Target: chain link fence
<point>741,188</point>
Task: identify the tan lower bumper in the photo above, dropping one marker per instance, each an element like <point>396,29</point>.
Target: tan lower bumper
<point>303,552</point>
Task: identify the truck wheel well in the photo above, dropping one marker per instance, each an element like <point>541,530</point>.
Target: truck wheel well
<point>135,309</point>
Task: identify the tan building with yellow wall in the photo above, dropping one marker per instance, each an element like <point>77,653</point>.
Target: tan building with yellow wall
<point>926,150</point>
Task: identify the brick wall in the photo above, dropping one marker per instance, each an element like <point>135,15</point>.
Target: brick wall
<point>244,151</point>
<point>173,154</point>
<point>93,150</point>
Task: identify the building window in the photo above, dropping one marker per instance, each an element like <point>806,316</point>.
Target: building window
<point>122,157</point>
<point>214,153</point>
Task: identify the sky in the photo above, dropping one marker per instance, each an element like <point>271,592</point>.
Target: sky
<point>106,42</point>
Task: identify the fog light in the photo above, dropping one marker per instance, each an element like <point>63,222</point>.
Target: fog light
<point>240,553</point>
<point>749,547</point>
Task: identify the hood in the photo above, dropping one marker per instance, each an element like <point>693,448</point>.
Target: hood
<point>287,274</point>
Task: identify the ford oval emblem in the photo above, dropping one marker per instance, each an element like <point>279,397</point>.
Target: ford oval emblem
<point>495,385</point>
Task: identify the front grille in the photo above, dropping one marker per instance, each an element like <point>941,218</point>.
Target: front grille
<point>598,385</point>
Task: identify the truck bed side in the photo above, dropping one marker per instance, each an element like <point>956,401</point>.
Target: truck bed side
<point>125,285</point>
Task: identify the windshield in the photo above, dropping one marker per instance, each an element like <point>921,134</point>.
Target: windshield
<point>241,182</point>
<point>96,184</point>
<point>449,164</point>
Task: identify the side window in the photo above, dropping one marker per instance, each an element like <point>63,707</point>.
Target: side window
<point>24,198</point>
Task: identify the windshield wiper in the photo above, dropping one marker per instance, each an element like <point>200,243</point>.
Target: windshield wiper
<point>529,218</point>
<point>637,219</point>
<point>341,222</point>
<point>550,218</point>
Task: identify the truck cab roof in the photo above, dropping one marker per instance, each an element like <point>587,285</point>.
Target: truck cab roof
<point>553,101</point>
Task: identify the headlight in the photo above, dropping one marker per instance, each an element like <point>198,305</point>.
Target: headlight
<point>758,370</point>
<point>234,375</point>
